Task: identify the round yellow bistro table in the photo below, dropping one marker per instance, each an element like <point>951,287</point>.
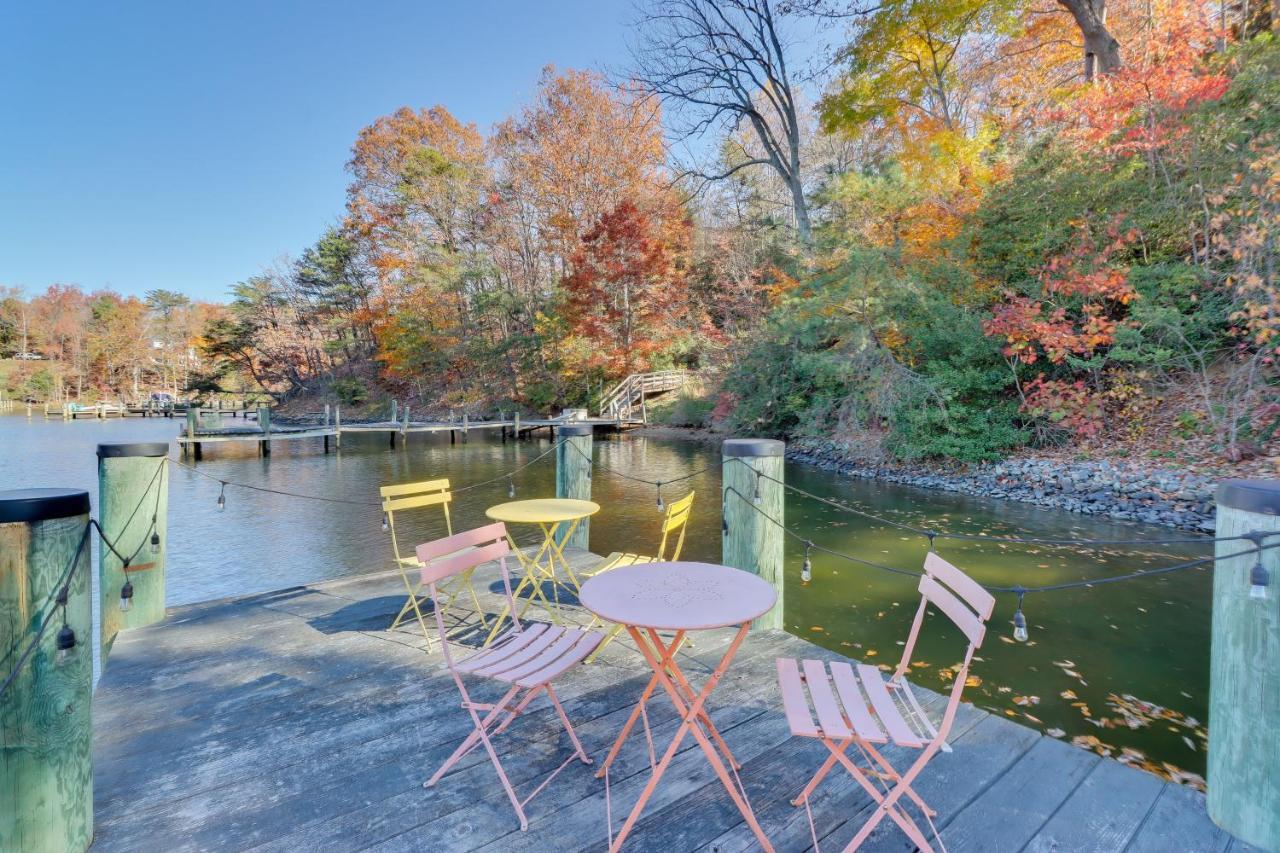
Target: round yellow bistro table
<point>558,518</point>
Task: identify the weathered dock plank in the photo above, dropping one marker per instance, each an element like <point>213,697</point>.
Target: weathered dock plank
<point>294,720</point>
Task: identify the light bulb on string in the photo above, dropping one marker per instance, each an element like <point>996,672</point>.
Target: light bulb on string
<point>1019,620</point>
<point>511,488</point>
<point>806,568</point>
<point>662,507</point>
<point>222,496</point>
<point>755,498</point>
<point>126,596</point>
<point>1259,580</point>
<point>386,523</point>
<point>155,543</point>
<point>66,645</point>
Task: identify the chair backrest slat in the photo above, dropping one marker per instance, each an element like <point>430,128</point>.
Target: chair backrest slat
<point>979,600</point>
<point>415,501</point>
<point>457,563</point>
<point>950,604</point>
<point>429,551</point>
<point>402,489</point>
<point>677,513</point>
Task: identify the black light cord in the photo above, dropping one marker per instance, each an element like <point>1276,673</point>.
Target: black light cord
<point>1020,590</point>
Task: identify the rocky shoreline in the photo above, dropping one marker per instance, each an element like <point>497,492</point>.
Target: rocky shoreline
<point>1125,489</point>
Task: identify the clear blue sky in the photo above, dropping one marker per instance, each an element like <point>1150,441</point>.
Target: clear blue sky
<point>187,144</point>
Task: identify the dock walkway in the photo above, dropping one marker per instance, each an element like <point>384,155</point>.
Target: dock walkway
<point>293,720</point>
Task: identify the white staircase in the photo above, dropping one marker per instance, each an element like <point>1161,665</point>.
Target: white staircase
<point>626,400</point>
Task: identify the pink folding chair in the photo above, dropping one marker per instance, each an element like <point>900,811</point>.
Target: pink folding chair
<point>859,707</point>
<point>526,659</point>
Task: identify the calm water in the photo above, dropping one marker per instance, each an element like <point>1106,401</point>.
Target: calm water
<point>1120,669</point>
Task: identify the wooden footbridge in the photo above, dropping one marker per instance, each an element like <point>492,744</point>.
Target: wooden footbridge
<point>210,426</point>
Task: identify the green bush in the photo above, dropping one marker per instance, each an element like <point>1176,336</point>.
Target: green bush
<point>350,392</point>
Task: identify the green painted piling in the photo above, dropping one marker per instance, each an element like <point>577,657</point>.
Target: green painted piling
<point>573,473</point>
<point>264,424</point>
<point>749,540</point>
<point>133,503</point>
<point>46,777</point>
<point>1244,670</point>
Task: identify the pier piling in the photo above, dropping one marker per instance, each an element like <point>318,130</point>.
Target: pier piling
<point>749,540</point>
<point>1244,667</point>
<point>46,778</point>
<point>573,472</point>
<point>133,504</point>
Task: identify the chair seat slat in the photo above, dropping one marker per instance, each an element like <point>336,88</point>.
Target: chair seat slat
<point>824,701</point>
<point>794,703</point>
<point>886,709</point>
<point>855,703</point>
<point>502,651</point>
<point>565,640</point>
<point>584,646</point>
<point>503,661</point>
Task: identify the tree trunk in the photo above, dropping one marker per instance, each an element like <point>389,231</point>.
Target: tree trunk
<point>1101,50</point>
<point>803,227</point>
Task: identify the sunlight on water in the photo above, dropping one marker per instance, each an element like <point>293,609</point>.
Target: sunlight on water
<point>1119,669</point>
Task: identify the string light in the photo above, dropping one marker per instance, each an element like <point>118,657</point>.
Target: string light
<point>66,636</point>
<point>511,487</point>
<point>1259,580</point>
<point>1019,620</point>
<point>806,568</point>
<point>126,596</point>
<point>755,498</point>
<point>386,523</point>
<point>155,543</point>
<point>222,496</point>
<point>661,506</point>
<point>66,643</point>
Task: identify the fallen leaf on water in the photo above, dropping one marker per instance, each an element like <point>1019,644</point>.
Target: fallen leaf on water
<point>870,653</point>
<point>1031,718</point>
<point>818,628</point>
<point>1068,694</point>
<point>1054,732</point>
<point>1190,743</point>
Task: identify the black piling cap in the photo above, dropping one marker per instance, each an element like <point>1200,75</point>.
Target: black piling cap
<point>20,505</point>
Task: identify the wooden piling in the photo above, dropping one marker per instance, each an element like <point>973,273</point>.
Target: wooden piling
<point>1244,670</point>
<point>749,540</point>
<point>573,473</point>
<point>517,422</point>
<point>46,778</point>
<point>466,424</point>
<point>264,423</point>
<point>133,503</point>
<point>337,426</point>
<point>395,411</point>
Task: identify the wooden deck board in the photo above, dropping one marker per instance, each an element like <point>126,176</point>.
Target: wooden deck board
<point>295,721</point>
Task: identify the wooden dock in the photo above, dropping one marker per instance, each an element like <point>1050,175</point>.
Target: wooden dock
<point>293,720</point>
<point>391,430</point>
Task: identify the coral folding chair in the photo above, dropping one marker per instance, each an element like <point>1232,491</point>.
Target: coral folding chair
<point>525,659</point>
<point>674,521</point>
<point>410,496</point>
<point>857,706</point>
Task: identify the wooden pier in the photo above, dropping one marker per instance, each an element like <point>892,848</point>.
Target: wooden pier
<point>391,430</point>
<point>293,720</point>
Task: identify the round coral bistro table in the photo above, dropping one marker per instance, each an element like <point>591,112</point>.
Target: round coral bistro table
<point>680,597</point>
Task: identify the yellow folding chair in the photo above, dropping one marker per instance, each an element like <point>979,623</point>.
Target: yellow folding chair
<point>673,522</point>
<point>408,496</point>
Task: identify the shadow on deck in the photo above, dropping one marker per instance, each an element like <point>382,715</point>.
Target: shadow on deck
<point>294,721</point>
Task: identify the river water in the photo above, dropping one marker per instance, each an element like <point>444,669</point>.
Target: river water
<point>1120,669</point>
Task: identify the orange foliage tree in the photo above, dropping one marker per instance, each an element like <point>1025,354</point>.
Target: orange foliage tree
<point>625,290</point>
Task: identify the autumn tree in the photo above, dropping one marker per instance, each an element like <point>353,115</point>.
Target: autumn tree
<point>625,290</point>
